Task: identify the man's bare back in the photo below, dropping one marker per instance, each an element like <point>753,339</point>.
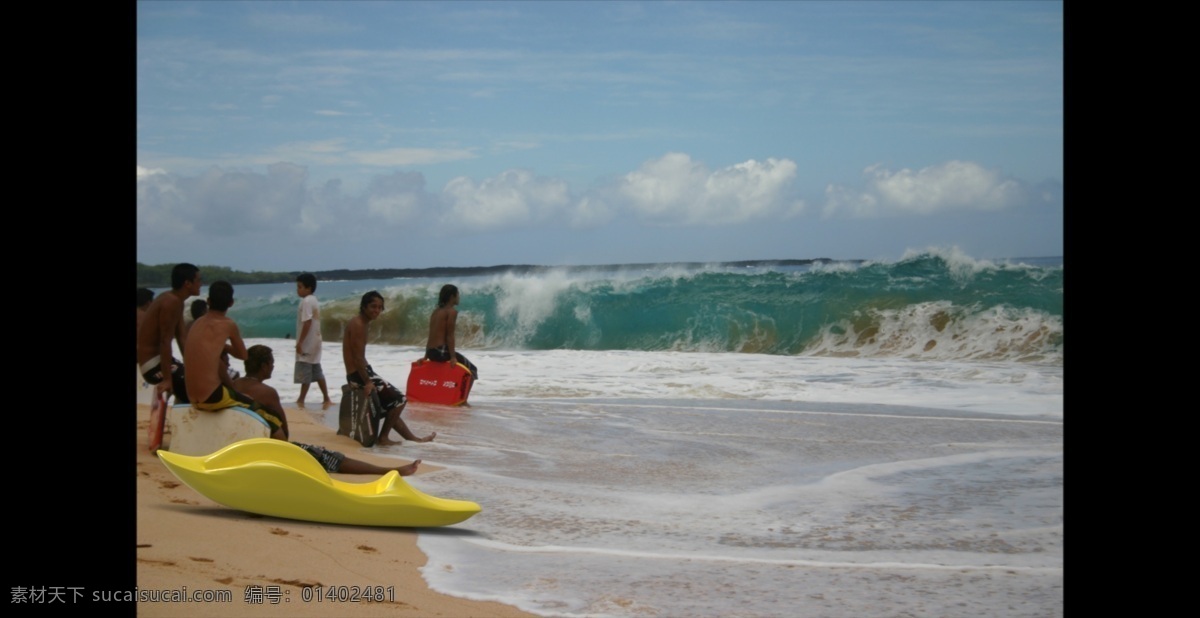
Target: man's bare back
<point>162,322</point>
<point>266,397</point>
<point>442,323</point>
<point>354,349</point>
<point>441,345</point>
<point>260,364</point>
<point>141,316</point>
<point>205,343</point>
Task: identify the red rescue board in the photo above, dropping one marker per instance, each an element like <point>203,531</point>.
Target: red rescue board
<point>442,383</point>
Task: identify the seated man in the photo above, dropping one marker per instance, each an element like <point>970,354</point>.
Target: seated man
<point>354,355</point>
<point>260,363</point>
<point>200,307</point>
<point>211,337</point>
<point>439,346</point>
<point>162,324</point>
<point>144,297</point>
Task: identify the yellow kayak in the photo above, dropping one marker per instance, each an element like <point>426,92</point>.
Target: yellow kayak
<point>277,478</point>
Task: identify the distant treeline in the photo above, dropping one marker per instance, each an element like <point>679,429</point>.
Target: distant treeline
<point>159,275</point>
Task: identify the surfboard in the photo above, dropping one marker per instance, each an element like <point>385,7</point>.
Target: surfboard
<point>441,383</point>
<point>279,479</point>
<point>355,415</point>
<point>363,426</point>
<point>145,391</point>
<point>158,416</point>
<point>200,432</point>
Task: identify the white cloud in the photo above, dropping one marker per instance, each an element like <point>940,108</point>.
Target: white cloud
<point>225,204</point>
<point>144,173</point>
<point>396,208</point>
<point>511,198</point>
<point>676,189</point>
<point>397,198</point>
<point>588,212</point>
<point>222,202</point>
<point>161,205</point>
<point>953,185</point>
<point>234,202</point>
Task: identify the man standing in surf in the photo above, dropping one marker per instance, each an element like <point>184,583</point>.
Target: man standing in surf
<point>354,355</point>
<point>163,323</point>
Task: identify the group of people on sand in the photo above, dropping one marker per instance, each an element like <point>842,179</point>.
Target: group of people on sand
<point>212,337</point>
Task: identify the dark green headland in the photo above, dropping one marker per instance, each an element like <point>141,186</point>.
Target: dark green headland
<point>159,275</point>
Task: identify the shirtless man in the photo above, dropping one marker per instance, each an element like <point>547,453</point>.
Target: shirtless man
<point>260,363</point>
<point>440,345</point>
<point>144,297</point>
<point>163,323</point>
<point>354,356</point>
<point>213,335</point>
<point>198,308</point>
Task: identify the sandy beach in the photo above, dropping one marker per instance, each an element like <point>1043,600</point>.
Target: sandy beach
<point>250,565</point>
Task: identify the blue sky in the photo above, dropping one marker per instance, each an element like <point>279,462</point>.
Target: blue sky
<point>315,135</point>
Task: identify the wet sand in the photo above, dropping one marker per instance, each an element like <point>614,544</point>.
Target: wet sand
<point>251,565</point>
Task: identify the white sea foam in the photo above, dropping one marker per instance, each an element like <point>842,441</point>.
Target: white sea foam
<point>667,484</point>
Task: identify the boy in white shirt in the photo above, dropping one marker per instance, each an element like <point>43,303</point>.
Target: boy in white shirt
<point>308,340</point>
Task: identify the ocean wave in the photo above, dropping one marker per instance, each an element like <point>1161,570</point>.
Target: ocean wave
<point>934,303</point>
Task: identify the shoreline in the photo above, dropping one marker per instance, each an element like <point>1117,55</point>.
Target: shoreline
<point>188,545</point>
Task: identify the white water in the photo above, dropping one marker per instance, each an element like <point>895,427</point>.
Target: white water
<point>695,484</point>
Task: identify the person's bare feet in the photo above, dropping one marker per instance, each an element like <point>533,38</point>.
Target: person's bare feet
<point>384,441</point>
<point>300,404</point>
<point>409,469</point>
<point>428,438</point>
<point>325,405</point>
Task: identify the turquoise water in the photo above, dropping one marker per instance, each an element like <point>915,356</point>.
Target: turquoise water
<point>930,305</point>
<point>842,440</point>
